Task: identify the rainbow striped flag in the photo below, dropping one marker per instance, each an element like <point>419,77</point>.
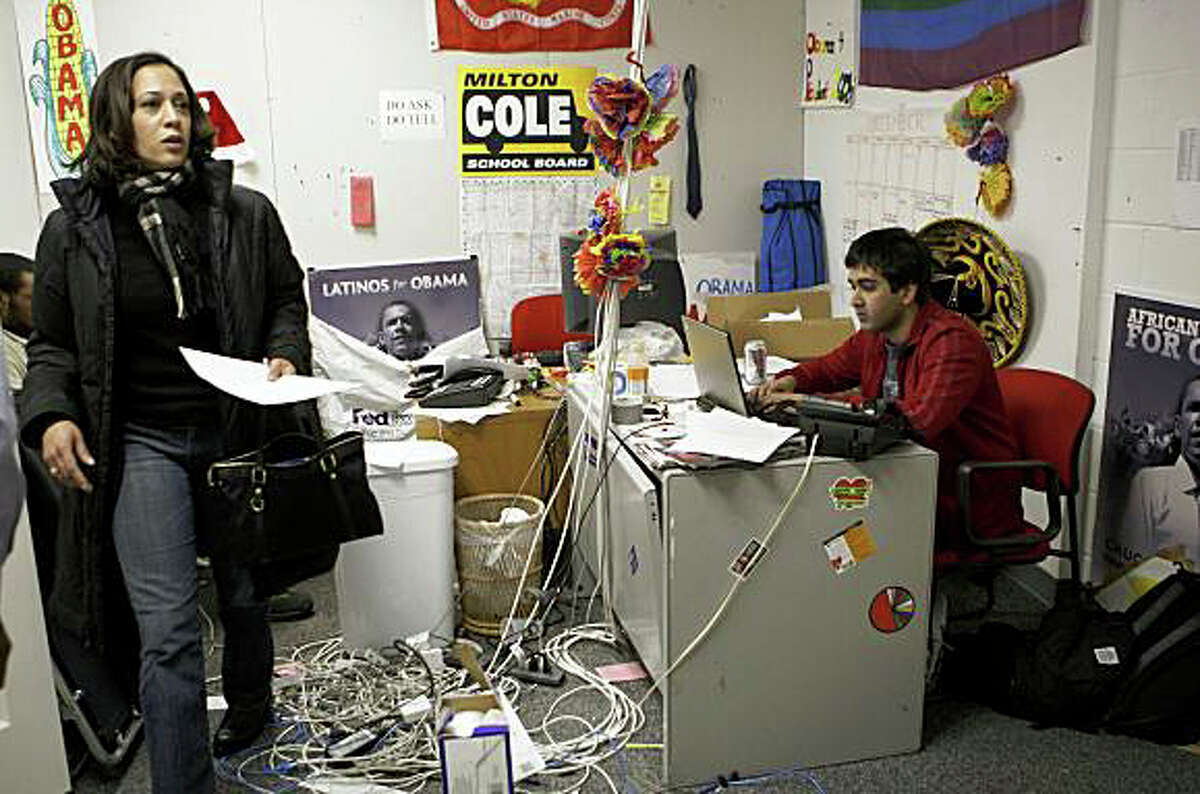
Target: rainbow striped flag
<point>923,44</point>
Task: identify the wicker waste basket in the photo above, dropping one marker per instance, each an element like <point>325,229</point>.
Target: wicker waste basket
<point>491,557</point>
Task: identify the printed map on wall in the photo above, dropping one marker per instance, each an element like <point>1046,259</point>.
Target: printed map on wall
<point>901,171</point>
<point>513,224</point>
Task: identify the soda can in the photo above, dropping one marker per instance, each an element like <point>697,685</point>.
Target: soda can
<point>756,361</point>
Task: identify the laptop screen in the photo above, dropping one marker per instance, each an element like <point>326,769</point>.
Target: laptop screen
<point>716,366</point>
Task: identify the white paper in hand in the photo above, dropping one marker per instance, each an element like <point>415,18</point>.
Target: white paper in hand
<point>247,380</point>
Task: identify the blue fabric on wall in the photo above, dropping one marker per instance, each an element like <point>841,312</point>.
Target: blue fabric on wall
<point>792,254</point>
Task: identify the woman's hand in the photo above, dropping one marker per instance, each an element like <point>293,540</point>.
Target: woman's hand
<point>278,367</point>
<point>63,449</point>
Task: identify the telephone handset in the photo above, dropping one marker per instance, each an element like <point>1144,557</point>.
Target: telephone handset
<point>470,387</point>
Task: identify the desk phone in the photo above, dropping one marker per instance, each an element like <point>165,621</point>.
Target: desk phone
<point>467,388</point>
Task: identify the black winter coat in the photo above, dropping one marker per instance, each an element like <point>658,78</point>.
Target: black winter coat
<point>261,313</point>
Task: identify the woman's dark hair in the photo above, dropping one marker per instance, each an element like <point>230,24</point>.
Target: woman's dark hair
<point>110,155</point>
<point>899,257</point>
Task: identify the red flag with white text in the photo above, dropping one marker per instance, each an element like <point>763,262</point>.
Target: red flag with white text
<point>525,25</point>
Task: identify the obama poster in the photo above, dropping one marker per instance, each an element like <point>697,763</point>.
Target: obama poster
<point>404,310</point>
<point>1150,464</point>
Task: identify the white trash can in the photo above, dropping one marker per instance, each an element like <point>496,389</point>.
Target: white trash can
<point>402,582</point>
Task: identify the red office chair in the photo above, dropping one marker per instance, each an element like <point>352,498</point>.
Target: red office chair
<point>537,324</point>
<point>1049,414</point>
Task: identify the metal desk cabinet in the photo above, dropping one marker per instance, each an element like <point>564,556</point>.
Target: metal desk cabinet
<point>795,673</point>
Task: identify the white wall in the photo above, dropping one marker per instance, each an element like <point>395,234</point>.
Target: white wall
<point>1050,152</point>
<point>325,71</point>
<point>1156,83</point>
<point>302,80</point>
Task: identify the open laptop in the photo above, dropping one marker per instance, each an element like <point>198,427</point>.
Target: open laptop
<point>715,365</point>
<point>846,430</point>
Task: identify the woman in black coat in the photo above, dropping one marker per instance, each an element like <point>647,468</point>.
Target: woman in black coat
<point>154,249</point>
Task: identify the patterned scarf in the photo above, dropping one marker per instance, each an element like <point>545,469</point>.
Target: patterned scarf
<point>171,232</point>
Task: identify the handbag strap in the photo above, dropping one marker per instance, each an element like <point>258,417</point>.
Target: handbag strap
<point>327,463</point>
<point>261,447</point>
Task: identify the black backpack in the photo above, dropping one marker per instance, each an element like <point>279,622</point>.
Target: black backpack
<point>1160,698</point>
<point>1070,670</point>
<point>1065,673</point>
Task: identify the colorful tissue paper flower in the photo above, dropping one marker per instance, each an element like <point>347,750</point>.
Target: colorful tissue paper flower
<point>621,105</point>
<point>995,188</point>
<point>659,133</point>
<point>661,130</point>
<point>663,85</point>
<point>622,256</point>
<point>608,150</point>
<point>961,127</point>
<point>991,96</point>
<point>607,254</point>
<point>990,147</point>
<point>613,257</point>
<point>605,215</point>
<point>586,275</point>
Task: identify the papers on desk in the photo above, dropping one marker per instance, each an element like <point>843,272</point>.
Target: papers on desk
<point>247,380</point>
<point>470,416</point>
<point>678,381</point>
<point>674,382</point>
<point>724,433</point>
<point>775,365</point>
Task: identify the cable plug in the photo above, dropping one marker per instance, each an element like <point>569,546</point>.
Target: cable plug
<point>351,744</point>
<point>538,670</point>
<point>416,709</point>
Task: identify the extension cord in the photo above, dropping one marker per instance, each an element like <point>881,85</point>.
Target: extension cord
<point>433,657</point>
<point>350,744</point>
<point>552,677</point>
<point>416,709</point>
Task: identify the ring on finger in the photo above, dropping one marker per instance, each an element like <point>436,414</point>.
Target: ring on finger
<point>53,471</point>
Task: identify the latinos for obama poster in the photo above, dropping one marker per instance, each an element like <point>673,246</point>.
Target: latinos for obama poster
<point>1150,464</point>
<point>405,310</point>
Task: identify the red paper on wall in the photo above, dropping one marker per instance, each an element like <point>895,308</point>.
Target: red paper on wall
<point>362,201</point>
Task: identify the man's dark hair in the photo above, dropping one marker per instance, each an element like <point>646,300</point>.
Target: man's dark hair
<point>13,268</point>
<point>1183,390</point>
<point>109,156</point>
<point>418,319</point>
<point>899,257</point>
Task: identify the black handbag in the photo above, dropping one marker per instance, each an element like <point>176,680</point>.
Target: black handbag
<point>283,508</point>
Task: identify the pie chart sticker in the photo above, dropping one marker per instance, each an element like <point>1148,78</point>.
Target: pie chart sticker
<point>892,609</point>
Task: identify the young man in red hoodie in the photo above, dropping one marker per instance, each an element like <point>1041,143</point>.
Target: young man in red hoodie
<point>933,365</point>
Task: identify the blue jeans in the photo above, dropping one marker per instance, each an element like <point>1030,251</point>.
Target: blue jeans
<point>154,530</point>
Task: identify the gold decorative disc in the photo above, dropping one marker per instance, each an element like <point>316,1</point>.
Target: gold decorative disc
<point>978,276</point>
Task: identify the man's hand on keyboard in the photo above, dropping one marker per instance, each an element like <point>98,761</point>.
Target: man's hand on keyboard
<point>773,390</point>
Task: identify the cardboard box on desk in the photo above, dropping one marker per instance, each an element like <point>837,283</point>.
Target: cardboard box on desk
<point>480,761</point>
<point>815,335</point>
